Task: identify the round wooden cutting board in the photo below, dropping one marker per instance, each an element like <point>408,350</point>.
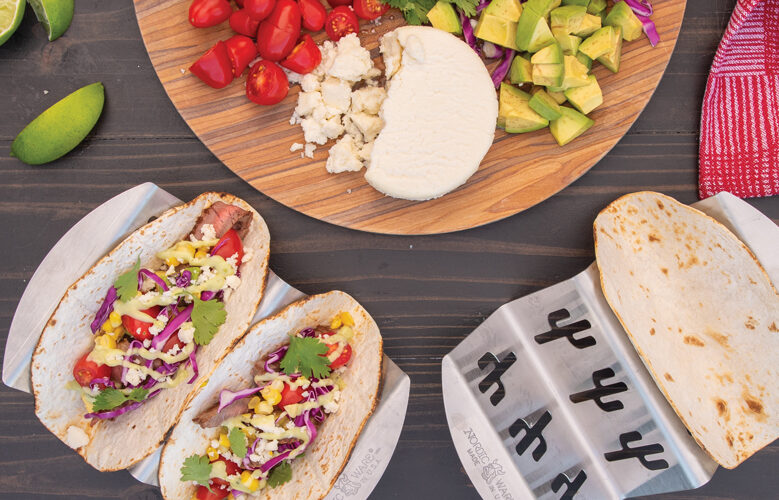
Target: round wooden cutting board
<point>519,171</point>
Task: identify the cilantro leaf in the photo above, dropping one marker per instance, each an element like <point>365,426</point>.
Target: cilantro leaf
<point>109,399</point>
<point>207,317</point>
<point>415,11</point>
<point>280,474</point>
<point>237,442</point>
<point>306,356</point>
<point>467,6</point>
<point>197,468</point>
<point>127,284</point>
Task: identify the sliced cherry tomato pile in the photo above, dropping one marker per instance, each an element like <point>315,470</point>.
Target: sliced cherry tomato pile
<point>271,29</point>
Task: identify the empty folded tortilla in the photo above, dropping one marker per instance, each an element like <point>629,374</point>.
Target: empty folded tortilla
<point>702,314</point>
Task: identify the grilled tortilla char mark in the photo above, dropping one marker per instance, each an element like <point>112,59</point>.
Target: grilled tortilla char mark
<point>223,217</point>
<point>210,418</point>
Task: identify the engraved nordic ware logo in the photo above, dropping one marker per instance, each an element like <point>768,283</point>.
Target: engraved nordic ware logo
<point>490,470</point>
<point>350,481</point>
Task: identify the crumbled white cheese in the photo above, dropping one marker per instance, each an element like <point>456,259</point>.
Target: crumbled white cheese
<point>391,51</point>
<point>171,269</point>
<point>233,261</point>
<point>368,99</point>
<point>206,273</point>
<point>369,125</point>
<point>134,377</point>
<point>175,349</point>
<point>147,342</point>
<point>309,150</point>
<point>233,282</point>
<point>156,328</point>
<point>336,94</point>
<point>148,299</point>
<point>208,232</point>
<point>215,444</point>
<point>248,253</point>
<point>344,156</point>
<point>296,146</point>
<point>352,61</point>
<point>309,83</point>
<point>308,102</point>
<point>186,332</point>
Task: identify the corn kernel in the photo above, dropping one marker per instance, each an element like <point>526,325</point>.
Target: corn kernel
<point>271,395</point>
<point>347,319</point>
<point>204,383</point>
<point>115,319</point>
<point>251,483</point>
<point>172,261</point>
<point>254,402</point>
<point>116,333</point>
<point>223,441</point>
<point>105,341</point>
<point>201,253</point>
<point>264,408</point>
<point>335,323</point>
<point>212,453</point>
<point>277,385</point>
<point>106,327</point>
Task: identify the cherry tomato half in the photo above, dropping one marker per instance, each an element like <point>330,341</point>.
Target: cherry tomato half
<point>343,358</point>
<point>242,51</point>
<point>242,23</point>
<point>230,466</point>
<point>207,13</point>
<point>370,9</point>
<point>266,84</point>
<point>219,490</point>
<point>340,22</point>
<point>259,9</point>
<point>230,243</point>
<point>336,3</point>
<point>214,67</point>
<point>173,340</point>
<point>304,57</point>
<point>313,13</point>
<point>137,328</point>
<point>289,396</point>
<point>85,371</point>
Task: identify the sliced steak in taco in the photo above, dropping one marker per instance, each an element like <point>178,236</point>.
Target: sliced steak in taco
<point>131,340</point>
<point>279,417</point>
<point>703,315</point>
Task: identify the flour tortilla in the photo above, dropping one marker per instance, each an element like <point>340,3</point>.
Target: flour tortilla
<point>315,472</point>
<point>118,444</point>
<point>703,315</point>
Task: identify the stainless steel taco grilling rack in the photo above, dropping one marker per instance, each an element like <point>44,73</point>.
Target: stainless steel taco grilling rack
<point>100,231</point>
<point>547,398</point>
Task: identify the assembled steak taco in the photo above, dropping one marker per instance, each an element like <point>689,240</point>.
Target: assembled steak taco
<point>280,415</point>
<point>703,315</point>
<point>130,342</point>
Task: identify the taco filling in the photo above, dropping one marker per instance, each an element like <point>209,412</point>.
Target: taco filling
<point>153,319</point>
<point>264,428</point>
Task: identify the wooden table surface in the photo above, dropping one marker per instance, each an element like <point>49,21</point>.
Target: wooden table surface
<point>426,293</point>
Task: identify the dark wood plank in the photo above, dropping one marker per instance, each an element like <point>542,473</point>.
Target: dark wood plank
<point>427,293</point>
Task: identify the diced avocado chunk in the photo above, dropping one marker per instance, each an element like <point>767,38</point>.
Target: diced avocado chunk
<point>574,73</point>
<point>583,3</point>
<point>543,104</point>
<point>612,58</point>
<point>599,43</point>
<point>533,32</point>
<point>548,75</point>
<point>586,98</point>
<point>521,71</point>
<point>596,7</point>
<point>568,17</point>
<point>569,43</point>
<point>551,54</point>
<point>621,15</point>
<point>542,7</point>
<point>589,25</point>
<point>507,9</point>
<point>444,17</point>
<point>559,97</point>
<point>497,30</point>
<point>551,89</point>
<point>569,126</point>
<point>584,60</point>
<point>514,112</point>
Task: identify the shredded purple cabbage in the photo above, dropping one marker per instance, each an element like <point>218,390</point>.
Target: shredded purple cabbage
<point>184,279</point>
<point>482,5</point>
<point>123,409</point>
<point>105,381</point>
<point>292,445</point>
<point>307,332</point>
<point>470,38</point>
<point>226,397</point>
<point>135,344</point>
<point>207,295</point>
<point>159,341</point>
<point>145,273</point>
<point>275,357</point>
<point>193,362</point>
<point>491,51</point>
<point>274,461</point>
<point>503,68</point>
<point>643,9</point>
<point>105,309</point>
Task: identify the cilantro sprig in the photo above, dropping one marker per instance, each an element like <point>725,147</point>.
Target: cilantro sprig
<point>415,11</point>
<point>306,356</point>
<point>127,284</point>
<point>109,398</point>
<point>280,474</point>
<point>467,6</point>
<point>197,468</point>
<point>237,442</point>
<point>207,317</point>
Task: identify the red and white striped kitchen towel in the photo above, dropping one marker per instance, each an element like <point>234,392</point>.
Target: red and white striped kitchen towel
<point>739,145</point>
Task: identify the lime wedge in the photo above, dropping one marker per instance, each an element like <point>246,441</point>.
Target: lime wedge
<point>61,127</point>
<point>11,14</point>
<point>54,15</point>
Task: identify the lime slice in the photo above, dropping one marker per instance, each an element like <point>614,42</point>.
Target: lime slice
<point>54,15</point>
<point>61,127</point>
<point>11,14</point>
